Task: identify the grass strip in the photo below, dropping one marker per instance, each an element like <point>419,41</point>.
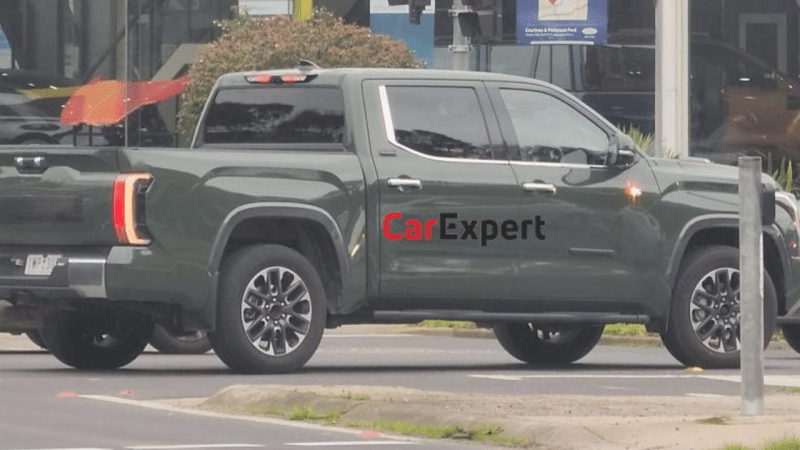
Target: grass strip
<point>714,420</point>
<point>308,413</point>
<point>487,433</point>
<point>783,444</point>
<point>436,323</point>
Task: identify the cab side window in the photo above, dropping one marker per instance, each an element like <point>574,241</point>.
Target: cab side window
<point>550,130</point>
<point>439,121</point>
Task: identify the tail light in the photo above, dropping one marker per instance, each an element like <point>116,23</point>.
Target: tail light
<point>128,208</point>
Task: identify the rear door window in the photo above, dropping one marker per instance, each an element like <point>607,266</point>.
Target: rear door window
<point>439,121</point>
<point>276,115</point>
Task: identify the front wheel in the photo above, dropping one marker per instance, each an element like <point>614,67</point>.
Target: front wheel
<point>271,311</point>
<point>704,327</point>
<point>548,344</point>
<point>96,341</point>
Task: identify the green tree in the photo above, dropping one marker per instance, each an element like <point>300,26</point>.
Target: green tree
<point>248,43</point>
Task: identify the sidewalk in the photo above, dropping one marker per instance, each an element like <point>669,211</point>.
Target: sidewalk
<point>553,422</point>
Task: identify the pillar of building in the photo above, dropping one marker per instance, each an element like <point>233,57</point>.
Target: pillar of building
<point>672,78</point>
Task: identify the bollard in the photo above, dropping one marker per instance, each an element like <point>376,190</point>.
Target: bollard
<point>751,282</point>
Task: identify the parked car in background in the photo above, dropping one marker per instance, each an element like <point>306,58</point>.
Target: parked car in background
<point>30,110</point>
<point>30,106</point>
<point>739,103</point>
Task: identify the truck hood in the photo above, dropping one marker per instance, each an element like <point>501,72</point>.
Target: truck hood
<point>676,173</point>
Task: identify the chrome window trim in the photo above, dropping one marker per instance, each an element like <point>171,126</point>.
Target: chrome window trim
<point>569,165</point>
<point>387,120</point>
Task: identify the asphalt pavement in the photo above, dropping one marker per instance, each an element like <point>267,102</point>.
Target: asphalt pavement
<point>47,405</point>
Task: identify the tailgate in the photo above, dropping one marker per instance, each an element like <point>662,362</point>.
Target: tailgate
<point>57,196</point>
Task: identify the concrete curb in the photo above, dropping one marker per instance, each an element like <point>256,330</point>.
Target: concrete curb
<point>547,421</point>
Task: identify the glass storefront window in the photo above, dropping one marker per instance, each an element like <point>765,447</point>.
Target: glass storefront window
<point>83,40</point>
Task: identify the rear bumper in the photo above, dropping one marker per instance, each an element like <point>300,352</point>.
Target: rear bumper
<point>72,277</point>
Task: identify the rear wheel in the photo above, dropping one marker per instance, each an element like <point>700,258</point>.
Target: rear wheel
<point>704,324</point>
<point>548,344</point>
<point>195,343</point>
<point>95,341</point>
<point>35,141</point>
<point>271,312</point>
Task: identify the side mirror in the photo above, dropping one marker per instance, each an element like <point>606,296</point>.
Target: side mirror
<point>625,157</point>
<point>621,151</point>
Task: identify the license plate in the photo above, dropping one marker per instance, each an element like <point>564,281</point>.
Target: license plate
<point>41,264</point>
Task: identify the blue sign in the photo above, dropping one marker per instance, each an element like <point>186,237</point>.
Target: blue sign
<point>3,40</point>
<point>562,21</point>
<point>393,21</point>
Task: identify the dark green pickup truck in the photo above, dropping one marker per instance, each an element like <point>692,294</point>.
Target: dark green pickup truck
<point>313,198</point>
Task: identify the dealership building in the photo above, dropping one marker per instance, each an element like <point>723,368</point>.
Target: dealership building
<point>739,47</point>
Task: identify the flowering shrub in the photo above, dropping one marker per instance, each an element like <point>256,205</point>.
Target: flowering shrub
<point>277,43</point>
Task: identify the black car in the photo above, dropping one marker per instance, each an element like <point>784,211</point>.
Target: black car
<point>30,107</point>
<point>30,111</point>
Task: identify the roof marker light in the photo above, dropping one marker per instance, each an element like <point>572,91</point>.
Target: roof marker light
<point>293,78</point>
<point>263,79</point>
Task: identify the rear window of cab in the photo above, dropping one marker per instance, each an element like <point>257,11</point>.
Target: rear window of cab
<point>276,115</point>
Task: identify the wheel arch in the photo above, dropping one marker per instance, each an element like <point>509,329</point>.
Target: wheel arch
<point>248,224</point>
<point>724,230</point>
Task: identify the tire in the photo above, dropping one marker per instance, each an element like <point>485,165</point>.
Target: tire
<point>35,141</point>
<point>792,335</point>
<point>553,344</point>
<point>693,336</point>
<point>192,344</point>
<point>95,342</point>
<point>36,338</point>
<point>263,334</point>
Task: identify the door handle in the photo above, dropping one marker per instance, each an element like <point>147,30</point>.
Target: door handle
<point>402,184</point>
<point>30,164</point>
<point>539,188</point>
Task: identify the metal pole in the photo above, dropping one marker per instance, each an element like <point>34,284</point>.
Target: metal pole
<point>460,47</point>
<point>751,266</point>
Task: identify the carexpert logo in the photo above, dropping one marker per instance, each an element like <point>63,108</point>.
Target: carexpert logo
<point>451,228</point>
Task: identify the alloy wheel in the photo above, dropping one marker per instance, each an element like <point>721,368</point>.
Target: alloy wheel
<point>276,311</point>
<point>714,310</point>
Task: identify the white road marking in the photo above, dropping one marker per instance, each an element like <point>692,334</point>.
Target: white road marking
<point>628,377</point>
<point>178,447</point>
<point>769,380</point>
<point>348,443</point>
<point>71,448</point>
<point>370,335</point>
<point>217,415</point>
<point>695,394</point>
